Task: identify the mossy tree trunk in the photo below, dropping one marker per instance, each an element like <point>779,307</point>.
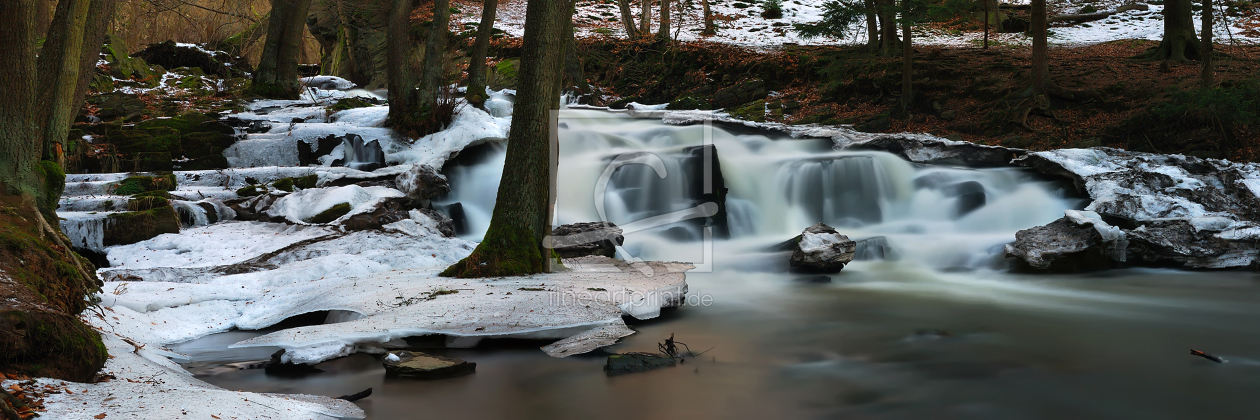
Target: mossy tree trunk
<point>1208,75</point>
<point>70,51</point>
<point>277,72</point>
<point>1180,43</point>
<point>514,245</point>
<point>627,18</point>
<point>43,285</point>
<point>402,63</point>
<point>476,95</point>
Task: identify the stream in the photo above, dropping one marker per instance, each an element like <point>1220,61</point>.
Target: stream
<point>929,322</point>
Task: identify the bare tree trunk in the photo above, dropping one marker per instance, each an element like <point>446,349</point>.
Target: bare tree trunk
<point>872,25</point>
<point>476,94</point>
<point>907,69</point>
<point>888,43</point>
<point>1206,78</point>
<point>574,76</point>
<point>1040,77</point>
<point>514,243</point>
<point>664,32</point>
<point>709,28</point>
<point>645,24</point>
<point>1180,43</point>
<point>431,80</point>
<point>401,65</point>
<point>277,72</point>
<point>627,19</point>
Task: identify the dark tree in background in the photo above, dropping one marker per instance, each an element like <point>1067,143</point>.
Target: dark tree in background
<point>402,62</point>
<point>513,245</point>
<point>1180,43</point>
<point>277,72</point>
<point>1207,76</point>
<point>476,95</point>
<point>627,19</point>
<point>664,33</point>
<point>414,108</point>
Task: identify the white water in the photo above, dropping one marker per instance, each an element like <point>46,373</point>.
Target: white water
<point>777,187</point>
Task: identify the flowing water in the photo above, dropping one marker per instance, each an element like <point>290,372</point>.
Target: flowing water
<point>928,324</point>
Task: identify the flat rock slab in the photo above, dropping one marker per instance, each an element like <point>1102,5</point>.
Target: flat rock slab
<point>619,364</point>
<point>425,366</point>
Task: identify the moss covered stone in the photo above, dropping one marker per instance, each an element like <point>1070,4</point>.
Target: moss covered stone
<point>53,181</point>
<point>143,203</point>
<point>303,182</point>
<point>138,184</point>
<point>333,213</point>
<point>131,227</point>
<point>251,191</point>
<point>349,103</point>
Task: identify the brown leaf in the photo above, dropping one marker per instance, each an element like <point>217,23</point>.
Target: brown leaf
<point>99,416</point>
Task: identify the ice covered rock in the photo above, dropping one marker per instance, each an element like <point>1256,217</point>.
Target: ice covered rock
<point>313,205</point>
<point>422,182</point>
<point>821,249</point>
<point>425,366</point>
<point>328,83</point>
<point>925,149</point>
<point>1173,210</point>
<point>583,239</point>
<point>1080,241</point>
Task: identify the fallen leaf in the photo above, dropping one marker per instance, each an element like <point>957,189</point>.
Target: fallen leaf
<point>99,416</point>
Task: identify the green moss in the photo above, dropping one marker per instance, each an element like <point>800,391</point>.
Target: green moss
<point>50,344</point>
<point>506,251</point>
<point>349,103</point>
<point>132,227</point>
<point>250,191</point>
<point>287,184</point>
<point>53,181</point>
<point>144,203</point>
<point>333,213</point>
<point>158,194</point>
<point>138,184</point>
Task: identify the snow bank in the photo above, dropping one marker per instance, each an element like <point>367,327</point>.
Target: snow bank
<point>302,206</point>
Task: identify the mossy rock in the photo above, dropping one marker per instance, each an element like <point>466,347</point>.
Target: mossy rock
<point>689,102</point>
<point>251,191</point>
<point>122,65</point>
<point>138,184</point>
<point>45,343</point>
<point>131,227</point>
<point>204,150</point>
<point>156,193</point>
<point>191,122</point>
<point>333,213</point>
<point>145,203</point>
<point>349,103</point>
<point>288,184</point>
<point>503,75</point>
<point>119,106</point>
<point>755,111</point>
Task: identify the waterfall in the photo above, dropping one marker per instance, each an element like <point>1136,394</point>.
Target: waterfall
<point>364,156</point>
<point>940,217</point>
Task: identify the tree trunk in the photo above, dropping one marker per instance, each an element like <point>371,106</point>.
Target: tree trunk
<point>1206,78</point>
<point>431,80</point>
<point>401,64</point>
<point>709,29</point>
<point>1180,43</point>
<point>514,243</point>
<point>58,68</point>
<point>907,69</point>
<point>39,330</point>
<point>889,45</point>
<point>987,19</point>
<point>476,94</point>
<point>277,72</point>
<point>664,32</point>
<point>574,76</point>
<point>1040,76</point>
<point>645,23</point>
<point>627,19</point>
<point>872,25</point>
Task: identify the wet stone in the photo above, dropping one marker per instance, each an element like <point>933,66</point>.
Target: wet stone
<point>425,366</point>
<point>619,364</point>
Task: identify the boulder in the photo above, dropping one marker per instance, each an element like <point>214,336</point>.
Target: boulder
<point>389,210</point>
<point>583,239</point>
<point>1080,241</point>
<point>423,183</point>
<point>619,364</point>
<point>171,55</point>
<point>425,366</point>
<point>131,227</point>
<point>820,249</point>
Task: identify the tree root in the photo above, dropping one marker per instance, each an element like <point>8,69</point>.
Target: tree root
<point>8,403</point>
<point>57,238</point>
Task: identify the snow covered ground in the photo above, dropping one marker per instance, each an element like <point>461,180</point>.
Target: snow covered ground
<point>740,23</point>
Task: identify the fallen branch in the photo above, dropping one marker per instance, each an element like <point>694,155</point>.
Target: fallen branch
<point>1090,17</point>
<point>356,396</point>
<point>1206,356</point>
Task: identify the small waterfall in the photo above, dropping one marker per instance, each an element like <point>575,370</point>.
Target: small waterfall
<point>85,230</point>
<point>364,156</point>
<point>938,217</point>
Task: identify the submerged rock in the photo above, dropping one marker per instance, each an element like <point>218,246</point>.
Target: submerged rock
<point>619,364</point>
<point>583,239</point>
<point>425,366</point>
<point>821,249</point>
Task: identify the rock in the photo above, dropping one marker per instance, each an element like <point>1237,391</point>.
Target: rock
<point>741,93</point>
<point>423,183</point>
<point>278,367</point>
<point>131,227</point>
<point>288,184</point>
<point>425,366</point>
<point>455,213</point>
<point>389,210</point>
<point>821,249</point>
<point>1078,242</point>
<point>624,363</point>
<point>707,187</point>
<point>970,195</point>
<point>927,149</point>
<point>309,153</point>
<point>171,55</point>
<point>582,239</point>
<point>332,213</point>
<point>118,106</point>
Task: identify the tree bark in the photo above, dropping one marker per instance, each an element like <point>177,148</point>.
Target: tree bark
<point>664,30</point>
<point>1180,43</point>
<point>1040,76</point>
<point>574,76</point>
<point>872,25</point>
<point>476,94</point>
<point>907,69</point>
<point>19,133</point>
<point>277,72</point>
<point>1206,78</point>
<point>889,45</point>
<point>709,28</point>
<point>401,64</point>
<point>627,19</point>
<point>431,80</point>
<point>513,245</point>
<point>645,23</point>
<point>59,68</point>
